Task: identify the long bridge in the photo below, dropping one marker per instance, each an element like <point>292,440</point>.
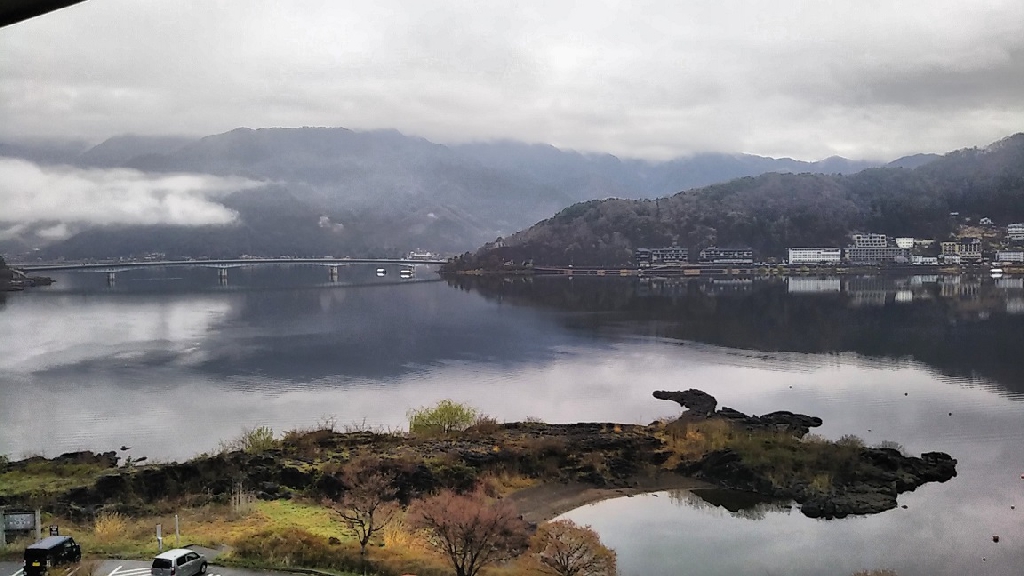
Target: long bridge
<point>224,263</point>
<point>221,265</point>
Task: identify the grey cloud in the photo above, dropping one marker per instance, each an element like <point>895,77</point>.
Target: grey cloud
<point>67,199</point>
<point>649,79</point>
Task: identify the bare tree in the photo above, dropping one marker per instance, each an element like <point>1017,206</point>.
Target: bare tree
<point>368,504</point>
<point>470,530</point>
<point>563,548</point>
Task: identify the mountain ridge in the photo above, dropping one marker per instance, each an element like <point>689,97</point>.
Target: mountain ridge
<point>385,193</point>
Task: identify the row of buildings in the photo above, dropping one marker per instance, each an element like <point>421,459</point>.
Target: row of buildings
<point>866,249</point>
<point>677,256</point>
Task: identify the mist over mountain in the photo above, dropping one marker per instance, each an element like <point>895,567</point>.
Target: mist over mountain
<point>772,212</point>
<point>333,191</point>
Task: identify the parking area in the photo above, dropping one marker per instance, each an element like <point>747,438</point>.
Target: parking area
<point>135,568</point>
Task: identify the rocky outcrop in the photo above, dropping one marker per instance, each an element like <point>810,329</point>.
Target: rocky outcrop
<point>876,476</point>
<point>702,404</point>
<point>698,402</point>
<point>783,421</point>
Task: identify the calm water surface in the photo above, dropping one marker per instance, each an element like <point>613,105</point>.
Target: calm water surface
<point>171,362</point>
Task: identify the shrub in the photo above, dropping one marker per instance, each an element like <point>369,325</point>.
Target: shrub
<point>850,441</point>
<point>252,440</point>
<point>442,419</point>
<point>892,445</point>
<point>562,548</point>
<point>485,425</point>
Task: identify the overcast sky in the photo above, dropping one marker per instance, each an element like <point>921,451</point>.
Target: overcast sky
<point>656,79</point>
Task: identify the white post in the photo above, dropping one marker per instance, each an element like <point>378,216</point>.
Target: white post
<point>3,528</point>
<point>159,539</point>
<point>177,534</point>
<point>39,525</point>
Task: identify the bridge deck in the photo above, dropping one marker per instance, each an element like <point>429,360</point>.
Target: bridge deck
<point>120,266</point>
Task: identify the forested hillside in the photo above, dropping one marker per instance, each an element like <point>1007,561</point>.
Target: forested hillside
<point>774,211</point>
<point>336,191</point>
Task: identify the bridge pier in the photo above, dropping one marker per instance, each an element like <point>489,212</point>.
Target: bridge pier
<point>222,276</point>
<point>111,279</point>
<point>333,270</point>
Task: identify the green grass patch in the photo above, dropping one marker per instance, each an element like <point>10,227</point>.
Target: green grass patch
<point>312,518</point>
<point>36,477</point>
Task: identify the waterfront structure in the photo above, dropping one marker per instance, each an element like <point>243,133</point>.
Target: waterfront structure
<point>1015,231</point>
<point>876,249</point>
<point>870,241</point>
<point>924,260</point>
<point>970,249</point>
<point>714,255</point>
<point>950,258</point>
<point>815,255</point>
<point>669,256</point>
<point>1010,256</point>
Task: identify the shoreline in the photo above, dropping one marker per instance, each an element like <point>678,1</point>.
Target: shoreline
<point>547,501</point>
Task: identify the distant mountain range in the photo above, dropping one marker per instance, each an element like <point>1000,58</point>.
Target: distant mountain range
<point>380,193</point>
<point>772,212</point>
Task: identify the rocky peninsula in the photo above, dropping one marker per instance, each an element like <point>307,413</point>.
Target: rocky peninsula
<point>772,455</point>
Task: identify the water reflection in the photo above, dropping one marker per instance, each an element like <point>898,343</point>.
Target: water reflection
<point>738,504</point>
<point>964,327</point>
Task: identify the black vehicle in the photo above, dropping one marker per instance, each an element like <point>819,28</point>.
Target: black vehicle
<point>51,551</point>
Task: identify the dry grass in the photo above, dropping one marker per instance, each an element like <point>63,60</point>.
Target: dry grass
<point>691,440</point>
<point>109,527</point>
<point>501,484</point>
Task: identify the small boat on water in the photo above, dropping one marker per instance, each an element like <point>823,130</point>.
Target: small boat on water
<point>381,272</point>
<point>407,272</point>
<point>996,272</point>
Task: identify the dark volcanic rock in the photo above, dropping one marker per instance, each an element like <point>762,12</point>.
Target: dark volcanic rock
<point>874,480</point>
<point>783,421</point>
<point>701,403</point>
<point>697,401</point>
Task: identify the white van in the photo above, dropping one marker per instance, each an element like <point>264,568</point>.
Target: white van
<point>179,562</point>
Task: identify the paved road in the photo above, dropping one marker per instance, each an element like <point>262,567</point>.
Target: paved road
<point>136,568</point>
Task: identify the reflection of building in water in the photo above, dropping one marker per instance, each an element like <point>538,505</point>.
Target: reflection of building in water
<point>959,287</point>
<point>921,280</point>
<point>1010,283</point>
<point>727,286</point>
<point>663,287</point>
<point>869,290</point>
<point>798,285</point>
<point>1015,305</point>
<point>904,296</point>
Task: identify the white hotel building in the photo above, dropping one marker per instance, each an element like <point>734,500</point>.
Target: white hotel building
<point>815,255</point>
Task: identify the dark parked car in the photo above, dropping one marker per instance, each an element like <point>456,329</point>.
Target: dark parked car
<point>51,551</point>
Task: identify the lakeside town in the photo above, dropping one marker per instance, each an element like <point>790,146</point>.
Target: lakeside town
<point>980,244</point>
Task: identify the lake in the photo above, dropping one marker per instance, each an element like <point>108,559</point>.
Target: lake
<point>171,362</point>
